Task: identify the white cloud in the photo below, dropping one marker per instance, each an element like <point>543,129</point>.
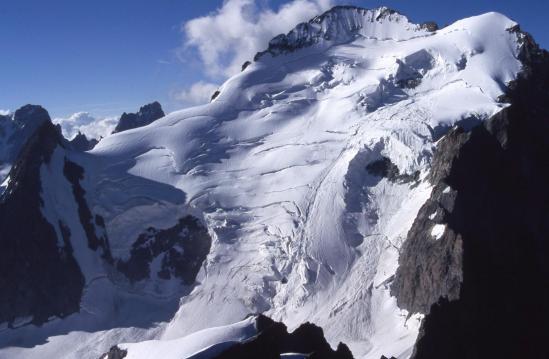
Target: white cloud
<point>199,93</point>
<point>85,123</point>
<point>234,33</point>
<point>4,112</point>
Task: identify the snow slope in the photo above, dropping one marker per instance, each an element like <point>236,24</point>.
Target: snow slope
<point>201,344</point>
<point>275,167</point>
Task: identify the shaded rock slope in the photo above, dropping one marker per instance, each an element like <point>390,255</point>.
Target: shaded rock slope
<point>484,282</point>
<point>40,276</point>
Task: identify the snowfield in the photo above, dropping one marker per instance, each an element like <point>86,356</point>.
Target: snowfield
<point>202,344</point>
<point>275,168</point>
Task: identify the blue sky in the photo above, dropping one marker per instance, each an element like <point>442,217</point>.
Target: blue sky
<point>110,56</point>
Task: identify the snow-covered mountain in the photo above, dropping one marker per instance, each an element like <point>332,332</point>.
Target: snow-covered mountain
<point>332,181</point>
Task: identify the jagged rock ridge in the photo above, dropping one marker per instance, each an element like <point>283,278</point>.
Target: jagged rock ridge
<point>146,115</point>
<point>81,142</point>
<point>273,340</point>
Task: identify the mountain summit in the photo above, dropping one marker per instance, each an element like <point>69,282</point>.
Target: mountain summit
<point>345,23</point>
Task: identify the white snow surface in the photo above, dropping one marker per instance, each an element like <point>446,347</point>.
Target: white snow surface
<point>438,231</point>
<point>275,168</point>
<point>202,344</point>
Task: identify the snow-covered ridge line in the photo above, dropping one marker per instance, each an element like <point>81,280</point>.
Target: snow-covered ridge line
<point>343,24</point>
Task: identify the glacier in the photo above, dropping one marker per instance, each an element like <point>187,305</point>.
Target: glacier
<point>275,168</point>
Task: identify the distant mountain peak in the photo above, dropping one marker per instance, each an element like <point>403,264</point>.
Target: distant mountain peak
<point>146,115</point>
<point>34,115</point>
<point>81,142</point>
<point>15,130</point>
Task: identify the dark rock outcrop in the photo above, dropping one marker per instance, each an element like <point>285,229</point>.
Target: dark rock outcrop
<point>4,118</point>
<point>429,267</point>
<point>23,124</point>
<point>245,65</point>
<point>114,353</point>
<point>183,247</point>
<point>430,26</point>
<point>215,94</point>
<point>496,215</point>
<point>81,143</point>
<point>40,277</point>
<point>74,174</point>
<point>410,69</point>
<point>146,115</point>
<point>31,116</point>
<point>273,340</point>
<point>384,167</point>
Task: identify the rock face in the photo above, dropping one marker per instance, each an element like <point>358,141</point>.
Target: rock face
<point>273,340</point>
<point>484,281</point>
<point>431,261</point>
<point>183,249</point>
<point>385,168</point>
<point>245,65</point>
<point>30,117</point>
<point>215,94</point>
<point>15,131</point>
<point>146,115</point>
<point>40,277</point>
<point>74,174</point>
<point>3,120</point>
<point>115,353</point>
<point>81,143</point>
